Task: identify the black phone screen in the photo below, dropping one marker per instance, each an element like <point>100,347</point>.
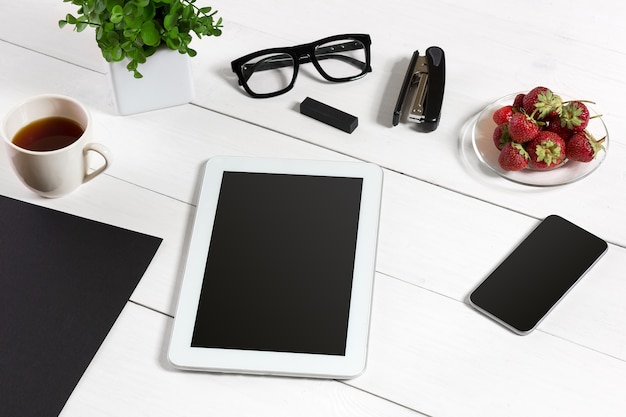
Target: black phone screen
<point>537,274</point>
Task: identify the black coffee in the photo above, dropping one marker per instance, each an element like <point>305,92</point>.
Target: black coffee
<point>48,134</point>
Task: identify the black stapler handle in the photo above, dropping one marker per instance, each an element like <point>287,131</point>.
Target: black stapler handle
<point>436,79</point>
<point>428,73</point>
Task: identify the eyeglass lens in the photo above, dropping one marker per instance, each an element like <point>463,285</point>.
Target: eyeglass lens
<point>341,60</point>
<point>269,73</point>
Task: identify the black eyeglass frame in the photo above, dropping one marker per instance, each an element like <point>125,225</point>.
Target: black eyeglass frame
<point>300,54</point>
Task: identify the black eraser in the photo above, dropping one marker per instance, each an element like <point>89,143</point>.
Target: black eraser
<point>329,115</point>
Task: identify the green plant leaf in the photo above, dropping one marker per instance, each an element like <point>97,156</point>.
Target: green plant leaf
<point>70,19</point>
<point>173,33</point>
<point>100,7</point>
<point>173,43</point>
<point>149,34</point>
<point>128,47</point>
<point>149,12</point>
<point>137,55</point>
<point>132,66</point>
<point>81,23</point>
<point>87,7</point>
<point>110,4</point>
<point>169,22</point>
<point>112,38</point>
<point>117,54</point>
<point>117,14</point>
<point>188,12</point>
<point>133,16</point>
<point>130,34</point>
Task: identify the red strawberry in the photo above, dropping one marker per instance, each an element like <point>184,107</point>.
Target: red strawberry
<point>501,135</point>
<point>503,114</point>
<point>541,102</point>
<point>546,151</point>
<point>583,147</point>
<point>522,128</point>
<point>528,103</point>
<point>575,116</point>
<point>557,126</point>
<point>518,103</point>
<point>513,157</point>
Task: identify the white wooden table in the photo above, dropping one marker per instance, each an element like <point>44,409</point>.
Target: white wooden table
<point>445,222</point>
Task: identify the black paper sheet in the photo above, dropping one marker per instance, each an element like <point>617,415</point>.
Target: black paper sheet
<point>64,280</point>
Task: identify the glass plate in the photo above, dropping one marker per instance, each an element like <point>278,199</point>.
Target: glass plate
<point>570,171</point>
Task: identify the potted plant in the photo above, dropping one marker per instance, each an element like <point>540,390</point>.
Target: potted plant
<point>132,32</point>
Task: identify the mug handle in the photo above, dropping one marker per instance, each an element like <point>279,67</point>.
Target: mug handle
<point>106,155</point>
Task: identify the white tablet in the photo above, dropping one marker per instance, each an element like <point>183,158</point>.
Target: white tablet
<point>280,269</point>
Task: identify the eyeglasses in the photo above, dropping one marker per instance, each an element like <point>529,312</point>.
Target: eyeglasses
<point>272,72</point>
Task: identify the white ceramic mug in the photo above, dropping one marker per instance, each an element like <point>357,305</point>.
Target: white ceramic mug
<point>57,172</point>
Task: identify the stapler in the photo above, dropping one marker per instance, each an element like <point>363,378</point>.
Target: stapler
<point>422,90</point>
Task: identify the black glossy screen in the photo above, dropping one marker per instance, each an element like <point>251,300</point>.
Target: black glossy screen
<point>538,273</point>
<point>279,271</point>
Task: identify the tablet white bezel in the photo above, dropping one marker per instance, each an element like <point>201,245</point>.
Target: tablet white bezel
<point>182,355</point>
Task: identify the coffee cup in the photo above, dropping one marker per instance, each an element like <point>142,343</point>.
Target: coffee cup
<point>48,140</point>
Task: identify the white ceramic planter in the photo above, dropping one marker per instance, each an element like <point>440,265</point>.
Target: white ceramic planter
<point>166,82</point>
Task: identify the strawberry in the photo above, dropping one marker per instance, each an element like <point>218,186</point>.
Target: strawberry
<point>575,115</point>
<point>501,135</point>
<point>518,103</point>
<point>554,124</point>
<point>528,103</point>
<point>502,115</point>
<point>513,157</point>
<point>541,102</point>
<point>522,128</point>
<point>546,151</point>
<point>583,147</point>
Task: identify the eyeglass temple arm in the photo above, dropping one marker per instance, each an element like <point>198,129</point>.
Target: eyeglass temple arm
<point>327,52</point>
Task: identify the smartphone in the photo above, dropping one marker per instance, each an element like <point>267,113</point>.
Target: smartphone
<point>527,285</point>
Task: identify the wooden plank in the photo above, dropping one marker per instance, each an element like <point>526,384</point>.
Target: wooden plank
<point>34,25</point>
<point>438,356</point>
<point>130,376</point>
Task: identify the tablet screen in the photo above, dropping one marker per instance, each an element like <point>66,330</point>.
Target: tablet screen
<point>278,276</point>
<point>280,267</point>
